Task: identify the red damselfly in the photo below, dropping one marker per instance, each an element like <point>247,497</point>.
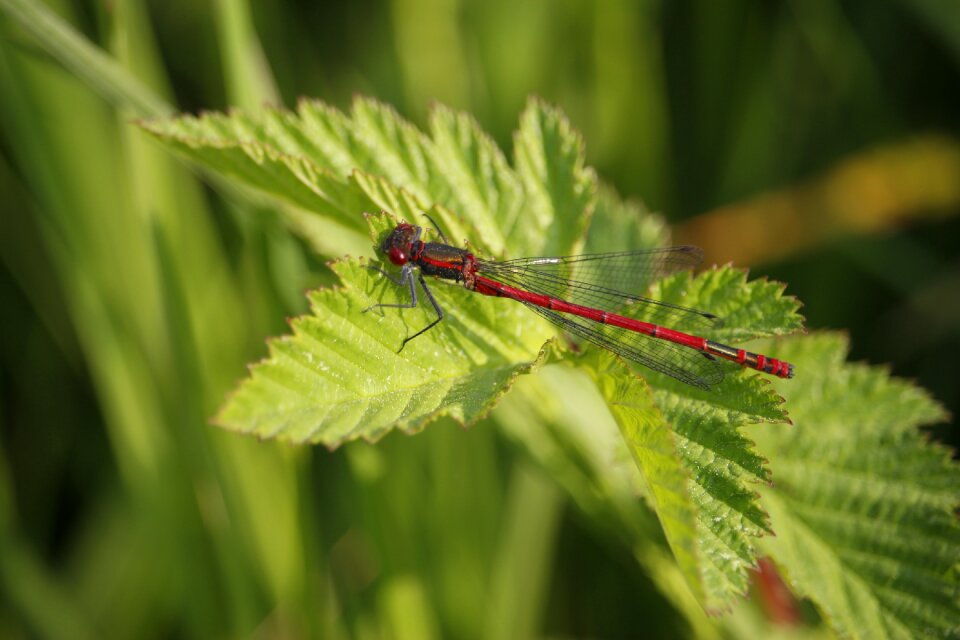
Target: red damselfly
<point>590,296</point>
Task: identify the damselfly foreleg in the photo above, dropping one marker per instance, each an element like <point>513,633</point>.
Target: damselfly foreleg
<point>406,280</point>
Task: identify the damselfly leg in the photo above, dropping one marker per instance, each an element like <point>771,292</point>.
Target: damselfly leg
<point>406,279</point>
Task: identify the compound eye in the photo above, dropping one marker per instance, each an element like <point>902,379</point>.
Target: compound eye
<point>397,256</point>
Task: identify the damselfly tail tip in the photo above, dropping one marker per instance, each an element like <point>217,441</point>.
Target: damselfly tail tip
<point>778,368</point>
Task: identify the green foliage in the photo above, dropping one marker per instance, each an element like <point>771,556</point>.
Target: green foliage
<point>862,503</point>
<point>687,446</point>
<point>339,377</point>
<point>331,165</point>
<point>138,296</point>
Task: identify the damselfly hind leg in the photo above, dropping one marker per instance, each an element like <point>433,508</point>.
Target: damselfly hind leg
<point>436,307</point>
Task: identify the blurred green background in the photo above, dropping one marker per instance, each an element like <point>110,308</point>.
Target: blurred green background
<point>816,142</point>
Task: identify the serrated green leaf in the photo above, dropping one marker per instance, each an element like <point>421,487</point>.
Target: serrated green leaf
<point>336,167</point>
<point>560,191</point>
<point>745,310</point>
<point>863,505</point>
<point>701,472</point>
<point>482,186</point>
<point>339,377</point>
<point>244,148</point>
<point>399,151</point>
<point>327,163</point>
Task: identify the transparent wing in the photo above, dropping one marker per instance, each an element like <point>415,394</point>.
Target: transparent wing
<point>608,281</point>
<point>631,272</point>
<point>618,282</point>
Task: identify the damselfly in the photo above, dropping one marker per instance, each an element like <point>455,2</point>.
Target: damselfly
<point>590,296</point>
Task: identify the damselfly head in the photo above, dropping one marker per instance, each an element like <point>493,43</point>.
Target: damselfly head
<point>398,245</point>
